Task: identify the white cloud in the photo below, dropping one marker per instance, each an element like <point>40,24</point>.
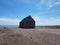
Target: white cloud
<point>50,6</point>
<point>39,21</point>
<point>44,4</point>
<point>46,21</point>
<point>47,3</point>
<point>53,3</point>
<point>52,21</point>
<point>9,21</point>
<point>57,3</point>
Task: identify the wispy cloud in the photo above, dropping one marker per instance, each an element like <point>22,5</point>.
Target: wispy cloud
<point>47,4</point>
<point>51,6</point>
<point>58,3</point>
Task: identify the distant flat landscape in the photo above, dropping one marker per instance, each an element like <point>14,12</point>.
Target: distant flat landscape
<point>8,26</point>
<point>36,36</point>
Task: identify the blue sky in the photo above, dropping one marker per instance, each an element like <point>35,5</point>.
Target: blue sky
<point>44,12</point>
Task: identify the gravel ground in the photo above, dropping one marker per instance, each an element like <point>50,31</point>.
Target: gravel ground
<point>37,36</point>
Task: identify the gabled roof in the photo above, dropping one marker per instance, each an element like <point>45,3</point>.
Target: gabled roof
<point>28,18</point>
